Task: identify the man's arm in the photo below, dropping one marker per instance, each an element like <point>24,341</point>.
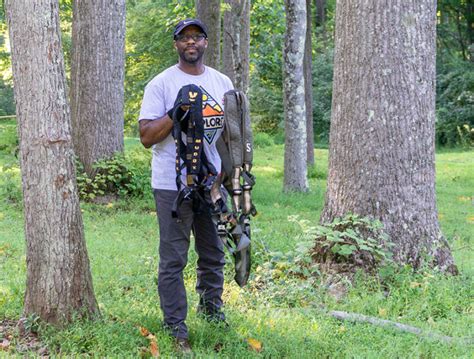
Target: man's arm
<point>154,131</point>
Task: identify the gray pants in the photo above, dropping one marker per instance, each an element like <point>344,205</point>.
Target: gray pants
<point>174,245</point>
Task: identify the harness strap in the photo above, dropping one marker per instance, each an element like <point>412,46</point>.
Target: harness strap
<point>190,155</point>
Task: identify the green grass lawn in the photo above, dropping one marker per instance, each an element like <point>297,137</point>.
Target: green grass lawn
<point>285,313</point>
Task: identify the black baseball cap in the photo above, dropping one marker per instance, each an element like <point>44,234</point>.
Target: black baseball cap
<point>188,22</point>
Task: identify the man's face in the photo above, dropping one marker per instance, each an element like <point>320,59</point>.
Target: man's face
<point>190,45</point>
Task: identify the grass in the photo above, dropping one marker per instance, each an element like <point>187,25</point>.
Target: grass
<point>285,313</point>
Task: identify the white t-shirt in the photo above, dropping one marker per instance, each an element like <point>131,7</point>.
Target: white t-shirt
<point>159,97</point>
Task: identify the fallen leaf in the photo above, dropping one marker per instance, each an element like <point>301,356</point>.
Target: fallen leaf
<point>470,219</point>
<point>415,284</point>
<point>110,205</point>
<point>155,352</point>
<point>5,344</point>
<point>342,329</point>
<point>382,312</point>
<point>255,344</point>
<point>144,332</point>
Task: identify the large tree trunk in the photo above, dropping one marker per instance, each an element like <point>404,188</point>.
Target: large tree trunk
<point>295,177</point>
<point>236,44</point>
<point>381,159</point>
<point>59,282</point>
<point>308,85</point>
<point>209,12</point>
<point>97,76</point>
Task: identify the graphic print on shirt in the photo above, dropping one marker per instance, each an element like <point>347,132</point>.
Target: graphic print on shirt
<point>212,114</point>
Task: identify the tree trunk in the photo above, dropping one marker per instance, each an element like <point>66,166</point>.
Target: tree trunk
<point>381,158</point>
<point>320,18</point>
<point>59,282</point>
<point>97,77</point>
<point>209,12</point>
<point>469,15</point>
<point>308,84</point>
<point>295,177</point>
<point>236,44</point>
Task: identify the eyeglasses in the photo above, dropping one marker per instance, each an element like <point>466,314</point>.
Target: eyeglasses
<point>186,38</point>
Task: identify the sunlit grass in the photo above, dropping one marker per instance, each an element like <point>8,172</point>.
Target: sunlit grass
<point>286,315</point>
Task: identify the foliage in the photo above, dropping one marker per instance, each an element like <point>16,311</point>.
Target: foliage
<point>322,94</point>
<point>267,29</point>
<point>262,139</point>
<point>455,103</point>
<point>455,29</point>
<point>10,184</point>
<point>149,48</point>
<point>8,137</point>
<point>123,176</point>
<point>356,241</point>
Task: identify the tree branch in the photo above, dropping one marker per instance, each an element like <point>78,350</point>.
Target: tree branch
<point>360,318</point>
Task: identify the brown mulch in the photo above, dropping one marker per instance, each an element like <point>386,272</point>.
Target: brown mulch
<point>16,339</point>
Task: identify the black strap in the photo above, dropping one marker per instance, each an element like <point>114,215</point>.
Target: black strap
<point>200,173</point>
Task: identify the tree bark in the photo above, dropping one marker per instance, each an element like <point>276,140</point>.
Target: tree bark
<point>209,12</point>
<point>308,84</point>
<point>469,15</point>
<point>295,173</point>
<point>236,44</point>
<point>381,158</point>
<point>97,79</point>
<point>59,282</point>
<point>320,18</point>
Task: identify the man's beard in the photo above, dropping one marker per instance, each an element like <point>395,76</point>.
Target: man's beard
<point>191,59</point>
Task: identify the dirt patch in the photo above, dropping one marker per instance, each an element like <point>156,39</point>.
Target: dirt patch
<point>15,338</point>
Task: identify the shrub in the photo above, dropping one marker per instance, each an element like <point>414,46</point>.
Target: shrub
<point>352,240</point>
<point>455,104</point>
<point>10,184</point>
<point>262,139</point>
<point>122,175</point>
<point>8,137</point>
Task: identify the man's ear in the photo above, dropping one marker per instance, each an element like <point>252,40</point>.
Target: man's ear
<point>174,44</point>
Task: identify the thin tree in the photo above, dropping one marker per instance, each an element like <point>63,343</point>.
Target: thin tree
<point>236,44</point>
<point>295,173</point>
<point>59,281</point>
<point>97,77</point>
<point>308,85</point>
<point>381,158</point>
<point>209,12</point>
<point>320,10</point>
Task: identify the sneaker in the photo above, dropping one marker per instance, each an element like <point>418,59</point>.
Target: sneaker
<point>182,346</point>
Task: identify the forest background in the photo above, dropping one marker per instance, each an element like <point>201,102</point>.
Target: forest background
<point>149,50</point>
<point>279,311</point>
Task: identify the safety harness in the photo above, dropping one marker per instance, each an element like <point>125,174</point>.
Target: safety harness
<point>200,173</point>
<point>203,185</point>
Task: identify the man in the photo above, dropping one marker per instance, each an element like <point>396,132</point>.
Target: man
<point>190,41</point>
